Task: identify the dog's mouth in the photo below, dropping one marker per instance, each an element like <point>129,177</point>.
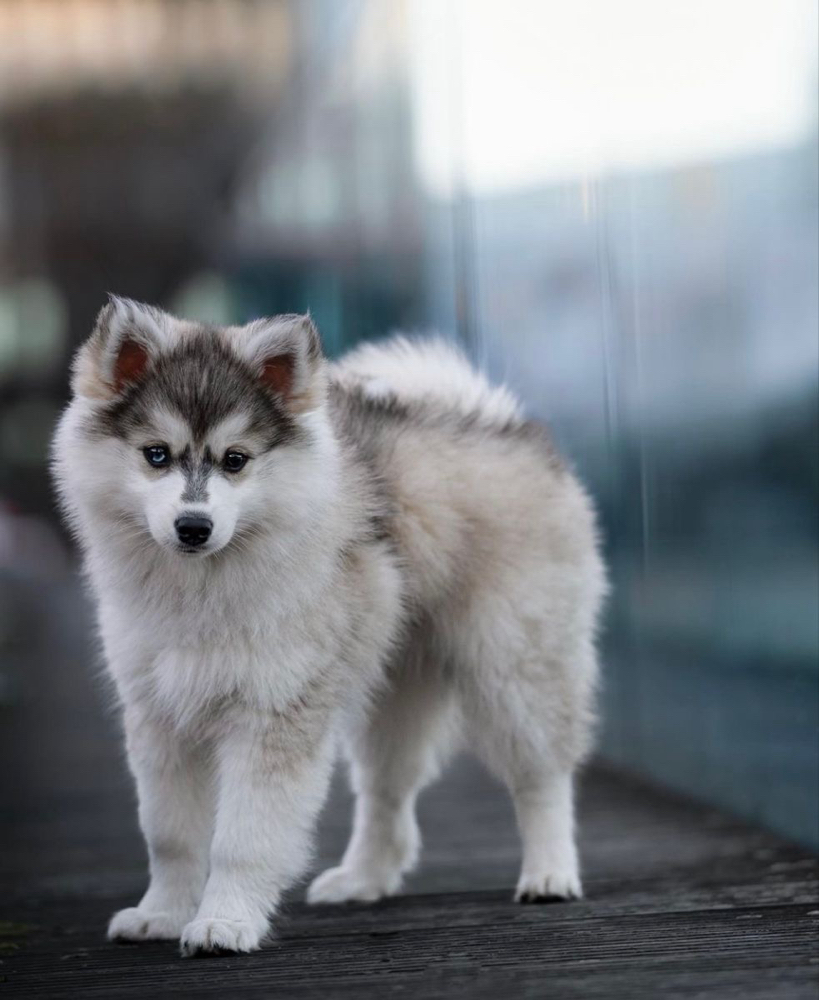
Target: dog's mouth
<point>193,550</point>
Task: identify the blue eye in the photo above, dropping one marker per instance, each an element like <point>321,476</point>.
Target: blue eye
<point>157,455</point>
<point>234,461</point>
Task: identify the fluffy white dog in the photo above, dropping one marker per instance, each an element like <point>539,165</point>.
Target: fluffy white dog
<point>289,557</point>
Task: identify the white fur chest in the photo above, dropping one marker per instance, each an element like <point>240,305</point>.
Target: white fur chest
<point>188,646</point>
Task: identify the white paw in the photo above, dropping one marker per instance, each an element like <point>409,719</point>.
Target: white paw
<point>339,885</point>
<point>548,888</point>
<point>134,924</point>
<point>216,934</point>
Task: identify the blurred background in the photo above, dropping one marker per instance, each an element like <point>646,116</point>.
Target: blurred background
<point>611,205</point>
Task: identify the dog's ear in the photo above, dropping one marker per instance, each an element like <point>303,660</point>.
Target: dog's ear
<point>126,339</point>
<point>286,353</point>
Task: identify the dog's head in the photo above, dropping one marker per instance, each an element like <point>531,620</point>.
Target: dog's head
<point>197,434</point>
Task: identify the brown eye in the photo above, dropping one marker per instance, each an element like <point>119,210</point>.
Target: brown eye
<point>234,461</point>
<point>157,456</point>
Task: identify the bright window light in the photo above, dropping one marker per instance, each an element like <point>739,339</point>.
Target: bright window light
<point>515,93</point>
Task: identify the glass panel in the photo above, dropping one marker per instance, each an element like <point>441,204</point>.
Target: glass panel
<point>622,223</point>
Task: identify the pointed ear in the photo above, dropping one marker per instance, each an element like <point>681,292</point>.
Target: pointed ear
<point>286,353</point>
<point>126,339</point>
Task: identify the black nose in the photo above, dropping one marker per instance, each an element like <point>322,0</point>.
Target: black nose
<point>193,529</point>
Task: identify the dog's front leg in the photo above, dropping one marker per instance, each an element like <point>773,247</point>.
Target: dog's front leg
<point>273,773</point>
<point>174,785</point>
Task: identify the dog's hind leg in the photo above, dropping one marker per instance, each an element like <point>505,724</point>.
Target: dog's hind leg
<point>545,812</point>
<point>394,752</point>
<point>529,723</point>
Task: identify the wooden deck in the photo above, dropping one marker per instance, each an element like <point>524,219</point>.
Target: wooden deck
<point>681,901</point>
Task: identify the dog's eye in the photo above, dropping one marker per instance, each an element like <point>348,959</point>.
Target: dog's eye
<point>234,461</point>
<point>157,455</point>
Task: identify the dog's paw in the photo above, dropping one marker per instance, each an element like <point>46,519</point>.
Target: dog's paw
<point>134,924</point>
<point>214,935</point>
<point>554,888</point>
<point>340,885</point>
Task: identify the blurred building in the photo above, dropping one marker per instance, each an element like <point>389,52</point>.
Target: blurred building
<point>604,210</point>
<point>124,126</point>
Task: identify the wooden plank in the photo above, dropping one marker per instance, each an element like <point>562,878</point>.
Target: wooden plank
<point>681,900</point>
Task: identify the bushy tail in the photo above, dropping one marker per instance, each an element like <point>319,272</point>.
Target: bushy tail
<point>430,369</point>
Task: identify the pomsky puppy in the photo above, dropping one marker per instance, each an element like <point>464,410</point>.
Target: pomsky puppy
<point>291,557</point>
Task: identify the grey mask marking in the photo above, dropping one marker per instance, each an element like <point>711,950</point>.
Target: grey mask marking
<point>196,476</point>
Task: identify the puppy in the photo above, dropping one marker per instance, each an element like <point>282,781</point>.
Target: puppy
<point>290,558</point>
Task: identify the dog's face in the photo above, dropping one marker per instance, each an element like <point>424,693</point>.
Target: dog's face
<point>197,434</point>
